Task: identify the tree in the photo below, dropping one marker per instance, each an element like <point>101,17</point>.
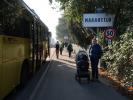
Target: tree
<point>119,59</point>
<point>122,9</point>
<point>73,10</point>
<point>62,29</point>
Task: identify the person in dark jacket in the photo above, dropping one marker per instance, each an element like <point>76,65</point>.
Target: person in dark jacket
<point>95,52</point>
<point>57,47</point>
<point>70,49</point>
<point>61,47</point>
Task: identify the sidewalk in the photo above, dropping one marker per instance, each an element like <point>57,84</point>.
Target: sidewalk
<point>65,58</point>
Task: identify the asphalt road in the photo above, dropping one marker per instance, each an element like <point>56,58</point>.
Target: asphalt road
<point>58,83</point>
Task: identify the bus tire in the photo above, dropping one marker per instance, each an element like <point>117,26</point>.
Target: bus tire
<point>25,73</point>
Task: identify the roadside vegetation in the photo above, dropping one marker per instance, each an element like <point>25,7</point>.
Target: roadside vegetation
<point>118,57</point>
<point>119,60</point>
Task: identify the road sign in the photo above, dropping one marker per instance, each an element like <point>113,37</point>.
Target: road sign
<point>98,20</point>
<point>65,37</point>
<point>109,41</point>
<point>109,33</point>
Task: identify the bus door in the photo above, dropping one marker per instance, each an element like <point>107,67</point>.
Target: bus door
<point>33,31</point>
<point>1,60</point>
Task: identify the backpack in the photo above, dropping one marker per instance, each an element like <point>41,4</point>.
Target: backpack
<point>70,47</point>
<point>57,46</point>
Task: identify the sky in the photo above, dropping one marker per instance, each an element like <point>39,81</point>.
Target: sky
<point>48,15</point>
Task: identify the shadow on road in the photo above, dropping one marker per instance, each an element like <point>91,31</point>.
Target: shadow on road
<point>59,84</point>
<point>70,61</point>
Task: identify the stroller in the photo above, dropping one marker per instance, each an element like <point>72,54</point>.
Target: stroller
<point>82,63</point>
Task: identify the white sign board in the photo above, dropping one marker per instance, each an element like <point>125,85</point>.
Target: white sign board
<point>66,37</point>
<point>98,20</point>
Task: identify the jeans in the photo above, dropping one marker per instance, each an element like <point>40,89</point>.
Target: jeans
<point>94,67</point>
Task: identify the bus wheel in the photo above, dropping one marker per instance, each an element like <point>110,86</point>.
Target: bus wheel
<point>25,72</point>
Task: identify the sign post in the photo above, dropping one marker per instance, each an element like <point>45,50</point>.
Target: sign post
<point>109,35</point>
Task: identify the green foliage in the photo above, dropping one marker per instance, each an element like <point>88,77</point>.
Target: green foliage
<point>75,8</point>
<point>122,9</point>
<point>62,28</point>
<point>73,11</point>
<point>120,58</point>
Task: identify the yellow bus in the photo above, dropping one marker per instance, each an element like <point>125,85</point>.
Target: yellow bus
<point>24,44</point>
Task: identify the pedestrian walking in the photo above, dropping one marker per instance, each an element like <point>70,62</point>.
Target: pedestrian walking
<point>70,49</point>
<point>95,53</point>
<point>57,46</point>
<point>61,48</point>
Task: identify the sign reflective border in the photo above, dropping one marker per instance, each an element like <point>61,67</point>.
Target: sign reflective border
<point>109,33</point>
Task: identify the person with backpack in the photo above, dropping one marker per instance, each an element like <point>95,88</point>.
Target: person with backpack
<point>57,47</point>
<point>70,49</point>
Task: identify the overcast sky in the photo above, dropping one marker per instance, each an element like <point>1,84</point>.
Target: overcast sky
<point>44,10</point>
